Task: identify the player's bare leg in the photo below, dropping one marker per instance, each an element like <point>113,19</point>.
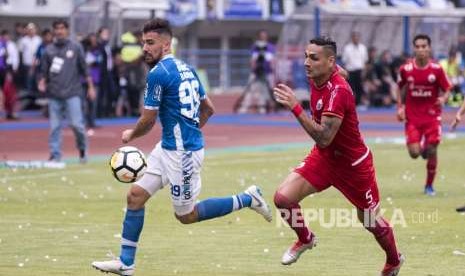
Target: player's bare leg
<point>384,235</point>
<point>431,165</point>
<point>428,152</point>
<point>287,198</point>
<point>132,227</point>
<point>414,150</point>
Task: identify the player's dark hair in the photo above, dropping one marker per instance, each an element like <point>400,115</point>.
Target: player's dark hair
<point>326,42</point>
<point>158,25</point>
<point>60,22</point>
<point>422,36</point>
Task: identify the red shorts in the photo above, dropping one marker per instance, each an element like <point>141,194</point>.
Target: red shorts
<point>430,130</point>
<point>357,183</point>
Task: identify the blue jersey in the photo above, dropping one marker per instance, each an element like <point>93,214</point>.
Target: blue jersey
<point>174,89</point>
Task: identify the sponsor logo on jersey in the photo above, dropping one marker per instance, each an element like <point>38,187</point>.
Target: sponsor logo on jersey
<point>422,93</point>
<point>319,104</point>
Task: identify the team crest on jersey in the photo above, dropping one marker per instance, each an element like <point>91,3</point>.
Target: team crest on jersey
<point>319,104</point>
<point>408,67</point>
<point>431,78</point>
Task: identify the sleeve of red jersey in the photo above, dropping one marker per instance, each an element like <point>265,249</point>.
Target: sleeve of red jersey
<point>401,77</point>
<point>444,82</point>
<point>337,104</point>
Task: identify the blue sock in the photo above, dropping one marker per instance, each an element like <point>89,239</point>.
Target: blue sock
<point>132,226</point>
<point>217,207</point>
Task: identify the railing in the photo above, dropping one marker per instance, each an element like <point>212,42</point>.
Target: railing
<point>224,69</point>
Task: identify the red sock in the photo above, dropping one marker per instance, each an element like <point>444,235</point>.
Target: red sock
<point>431,165</point>
<point>291,212</point>
<point>385,237</point>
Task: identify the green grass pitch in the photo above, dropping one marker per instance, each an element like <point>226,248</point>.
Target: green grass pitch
<point>56,222</point>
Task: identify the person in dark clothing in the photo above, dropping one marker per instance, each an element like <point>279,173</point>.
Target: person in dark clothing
<point>62,66</point>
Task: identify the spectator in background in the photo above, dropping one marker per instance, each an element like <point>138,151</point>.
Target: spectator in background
<point>107,95</point>
<point>134,71</point>
<point>20,31</point>
<point>451,66</point>
<point>47,38</point>
<point>62,66</point>
<point>211,10</point>
<point>262,66</point>
<point>371,82</point>
<point>3,57</point>
<point>28,46</point>
<point>387,90</point>
<point>122,104</point>
<point>396,63</point>
<point>9,71</point>
<point>94,61</point>
<point>354,57</point>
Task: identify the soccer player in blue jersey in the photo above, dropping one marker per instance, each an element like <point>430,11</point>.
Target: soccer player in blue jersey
<point>175,95</point>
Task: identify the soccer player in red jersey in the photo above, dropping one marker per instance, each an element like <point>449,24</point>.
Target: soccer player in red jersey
<point>339,158</point>
<point>423,89</point>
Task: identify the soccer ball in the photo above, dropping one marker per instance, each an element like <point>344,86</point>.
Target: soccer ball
<point>128,164</point>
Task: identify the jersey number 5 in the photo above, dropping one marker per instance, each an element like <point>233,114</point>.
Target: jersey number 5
<point>190,99</point>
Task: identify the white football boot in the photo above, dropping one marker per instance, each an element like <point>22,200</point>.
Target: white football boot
<point>114,266</point>
<point>293,253</point>
<point>258,202</point>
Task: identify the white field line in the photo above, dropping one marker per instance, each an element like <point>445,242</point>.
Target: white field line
<point>49,174</point>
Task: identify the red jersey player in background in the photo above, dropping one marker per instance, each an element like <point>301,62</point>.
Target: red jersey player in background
<point>339,158</point>
<point>423,90</point>
<point>453,126</point>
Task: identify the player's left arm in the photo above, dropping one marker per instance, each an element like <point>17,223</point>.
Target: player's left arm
<point>322,133</point>
<point>445,86</point>
<point>206,111</point>
<point>206,108</point>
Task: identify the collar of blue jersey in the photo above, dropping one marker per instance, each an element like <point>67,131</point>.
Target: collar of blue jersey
<point>167,57</point>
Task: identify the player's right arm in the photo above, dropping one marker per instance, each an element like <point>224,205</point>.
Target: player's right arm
<point>400,95</point>
<point>322,133</point>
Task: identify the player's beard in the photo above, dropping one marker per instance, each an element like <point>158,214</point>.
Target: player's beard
<point>151,61</point>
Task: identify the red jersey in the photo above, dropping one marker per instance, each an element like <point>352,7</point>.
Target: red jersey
<point>335,98</point>
<point>423,85</point>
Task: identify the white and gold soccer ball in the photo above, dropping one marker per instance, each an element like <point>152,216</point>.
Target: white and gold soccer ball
<point>128,164</point>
